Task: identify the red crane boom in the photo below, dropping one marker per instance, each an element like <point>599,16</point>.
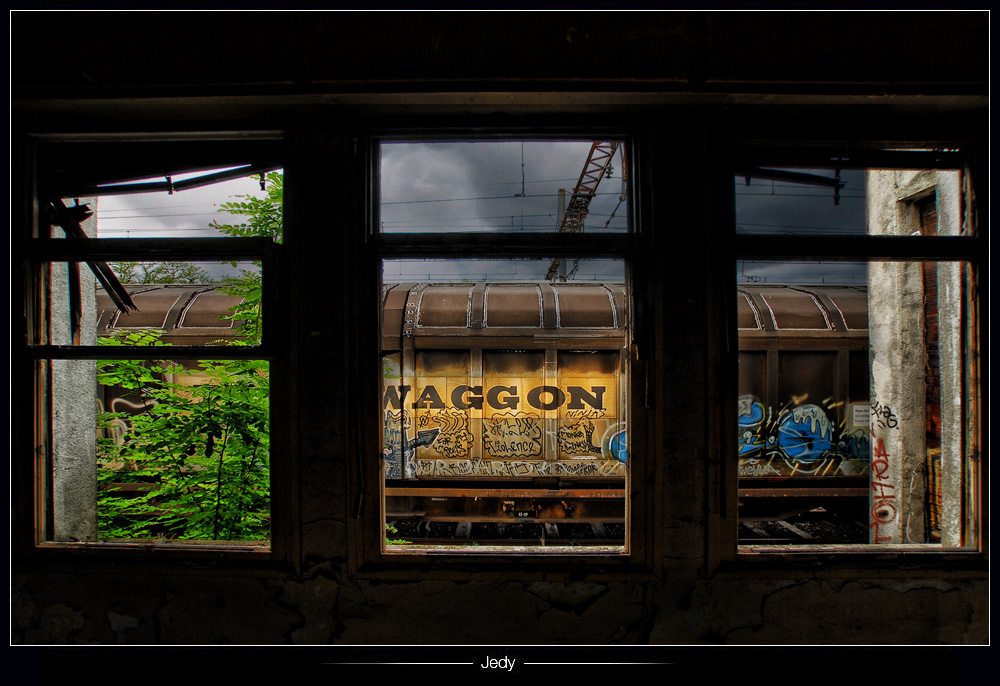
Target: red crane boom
<point>595,169</point>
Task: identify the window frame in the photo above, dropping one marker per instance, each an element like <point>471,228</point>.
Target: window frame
<point>36,250</point>
<point>367,557</point>
<point>729,555</point>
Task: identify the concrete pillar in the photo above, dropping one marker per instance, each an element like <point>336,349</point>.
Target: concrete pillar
<point>899,478</point>
<point>951,300</point>
<point>74,404</point>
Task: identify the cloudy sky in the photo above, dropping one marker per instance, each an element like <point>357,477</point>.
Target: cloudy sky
<point>785,208</point>
<point>493,186</point>
<point>490,186</point>
<point>512,186</point>
<point>183,214</point>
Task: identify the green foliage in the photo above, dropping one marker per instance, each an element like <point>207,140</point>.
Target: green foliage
<point>264,218</point>
<point>194,463</point>
<point>247,316</point>
<point>263,214</point>
<point>201,450</point>
<point>389,529</point>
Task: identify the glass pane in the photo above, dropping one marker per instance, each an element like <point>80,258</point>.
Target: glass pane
<point>183,450</point>
<point>509,186</point>
<point>164,450</point>
<point>504,406</point>
<point>216,300</point>
<point>156,450</point>
<point>850,419</point>
<point>831,202</point>
<point>187,303</point>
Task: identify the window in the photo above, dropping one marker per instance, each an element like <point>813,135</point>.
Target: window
<point>858,347</point>
<point>507,349</point>
<point>151,365</point>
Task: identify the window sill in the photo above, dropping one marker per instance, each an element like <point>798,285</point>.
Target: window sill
<point>855,562</point>
<point>511,563</point>
<point>506,551</point>
<point>222,546</point>
<point>146,553</point>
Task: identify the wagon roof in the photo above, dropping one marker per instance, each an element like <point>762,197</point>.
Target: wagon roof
<point>797,308</point>
<point>190,314</point>
<point>491,310</point>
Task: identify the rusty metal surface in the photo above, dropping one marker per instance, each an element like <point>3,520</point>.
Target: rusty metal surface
<point>797,308</point>
<point>518,306</point>
<point>503,506</point>
<point>501,310</point>
<point>504,380</point>
<point>188,314</point>
<point>507,492</point>
<point>811,492</point>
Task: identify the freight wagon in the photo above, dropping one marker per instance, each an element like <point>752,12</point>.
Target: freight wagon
<point>508,402</point>
<point>505,401</point>
<point>804,414</point>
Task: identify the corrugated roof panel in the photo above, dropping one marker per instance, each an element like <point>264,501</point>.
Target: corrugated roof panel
<point>746,313</point>
<point>814,308</point>
<point>513,306</point>
<point>445,306</point>
<point>208,309</point>
<point>793,309</point>
<point>585,307</point>
<point>852,305</point>
<point>154,306</point>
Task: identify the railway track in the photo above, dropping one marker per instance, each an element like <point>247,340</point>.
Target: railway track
<point>515,533</point>
<point>805,528</point>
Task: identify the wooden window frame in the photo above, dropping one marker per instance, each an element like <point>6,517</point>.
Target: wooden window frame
<point>726,556</point>
<point>31,543</point>
<point>367,557</point>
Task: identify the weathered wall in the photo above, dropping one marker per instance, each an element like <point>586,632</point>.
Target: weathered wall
<point>896,297</point>
<point>696,56</point>
<point>324,607</point>
<point>74,456</point>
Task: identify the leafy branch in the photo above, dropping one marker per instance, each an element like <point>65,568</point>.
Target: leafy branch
<point>195,462</point>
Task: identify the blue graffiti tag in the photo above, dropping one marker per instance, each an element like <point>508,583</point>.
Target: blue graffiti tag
<point>804,433</point>
<point>751,414</point>
<point>618,446</point>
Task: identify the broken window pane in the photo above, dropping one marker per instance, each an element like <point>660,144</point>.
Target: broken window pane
<point>504,401</point>
<point>168,448</point>
<point>192,303</point>
<point>182,446</point>
<point>186,205</point>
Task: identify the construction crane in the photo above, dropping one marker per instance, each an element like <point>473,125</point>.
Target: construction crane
<point>597,167</point>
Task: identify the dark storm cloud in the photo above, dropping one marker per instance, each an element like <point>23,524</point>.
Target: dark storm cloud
<point>782,207</point>
<point>466,186</point>
<point>491,186</point>
<point>785,208</point>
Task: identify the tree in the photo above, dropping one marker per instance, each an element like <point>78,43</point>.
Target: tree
<point>264,218</point>
<point>160,272</point>
<point>199,450</point>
